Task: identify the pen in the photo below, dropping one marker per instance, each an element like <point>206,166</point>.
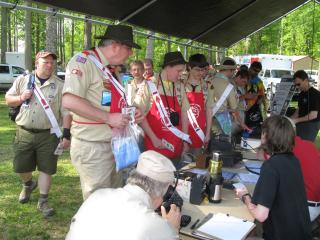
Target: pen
<point>195,224</point>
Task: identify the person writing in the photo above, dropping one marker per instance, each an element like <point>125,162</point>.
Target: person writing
<point>279,200</point>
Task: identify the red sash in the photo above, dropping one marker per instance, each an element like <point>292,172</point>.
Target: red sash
<point>196,100</point>
<point>161,131</point>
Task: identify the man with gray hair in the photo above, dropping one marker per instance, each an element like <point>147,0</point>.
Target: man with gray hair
<point>96,106</point>
<point>128,212</point>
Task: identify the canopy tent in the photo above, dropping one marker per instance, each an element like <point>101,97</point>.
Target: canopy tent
<point>215,22</point>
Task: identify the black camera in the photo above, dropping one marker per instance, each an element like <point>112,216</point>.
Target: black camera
<point>174,118</point>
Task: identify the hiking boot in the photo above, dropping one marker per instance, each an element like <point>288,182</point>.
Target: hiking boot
<point>26,191</point>
<point>44,207</point>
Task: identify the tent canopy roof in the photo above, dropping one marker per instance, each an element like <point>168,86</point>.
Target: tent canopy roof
<point>214,22</point>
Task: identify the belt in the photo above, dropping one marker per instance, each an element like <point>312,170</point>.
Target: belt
<point>313,204</point>
<point>34,130</point>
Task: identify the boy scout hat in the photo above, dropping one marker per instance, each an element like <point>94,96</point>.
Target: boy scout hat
<point>172,59</point>
<point>227,64</point>
<point>44,54</point>
<point>120,33</point>
<point>156,166</point>
<point>198,60</point>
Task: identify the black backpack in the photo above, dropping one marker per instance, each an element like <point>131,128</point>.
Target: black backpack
<point>14,111</point>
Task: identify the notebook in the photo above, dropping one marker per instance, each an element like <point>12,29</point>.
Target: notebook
<point>223,226</point>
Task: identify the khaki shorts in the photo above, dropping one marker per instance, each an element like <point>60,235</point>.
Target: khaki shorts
<point>35,149</point>
<point>95,164</point>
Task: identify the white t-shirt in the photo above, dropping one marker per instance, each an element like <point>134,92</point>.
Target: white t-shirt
<point>123,213</point>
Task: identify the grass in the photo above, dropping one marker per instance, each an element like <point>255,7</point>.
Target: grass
<point>23,221</point>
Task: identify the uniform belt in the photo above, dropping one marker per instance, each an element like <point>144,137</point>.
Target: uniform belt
<point>313,204</point>
<point>34,130</point>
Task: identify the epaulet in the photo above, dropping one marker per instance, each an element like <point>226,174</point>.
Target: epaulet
<point>58,79</point>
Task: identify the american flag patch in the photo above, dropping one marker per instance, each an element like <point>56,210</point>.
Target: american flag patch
<point>81,59</point>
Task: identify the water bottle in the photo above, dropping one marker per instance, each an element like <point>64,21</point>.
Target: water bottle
<point>245,135</point>
<point>216,179</point>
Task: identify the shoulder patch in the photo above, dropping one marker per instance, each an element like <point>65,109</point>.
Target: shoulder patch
<point>76,72</point>
<point>81,59</point>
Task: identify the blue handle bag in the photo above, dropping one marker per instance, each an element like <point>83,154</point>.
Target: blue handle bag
<point>125,148</point>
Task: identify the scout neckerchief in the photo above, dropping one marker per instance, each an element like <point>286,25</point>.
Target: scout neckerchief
<point>194,123</point>
<point>164,115</point>
<point>47,109</point>
<point>223,97</point>
<point>107,74</point>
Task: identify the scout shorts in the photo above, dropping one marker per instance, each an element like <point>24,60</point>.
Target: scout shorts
<point>33,149</point>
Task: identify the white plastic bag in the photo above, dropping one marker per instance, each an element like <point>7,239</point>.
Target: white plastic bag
<point>124,147</point>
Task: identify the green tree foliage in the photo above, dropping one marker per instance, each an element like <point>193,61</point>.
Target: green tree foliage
<point>295,35</point>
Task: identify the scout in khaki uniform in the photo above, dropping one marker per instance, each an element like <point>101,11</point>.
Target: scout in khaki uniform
<point>240,81</point>
<point>149,74</point>
<point>34,144</point>
<point>200,97</point>
<point>137,88</point>
<point>96,106</point>
<point>174,99</point>
<point>222,119</point>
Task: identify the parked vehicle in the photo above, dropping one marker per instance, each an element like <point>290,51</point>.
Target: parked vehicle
<point>8,73</point>
<point>271,77</point>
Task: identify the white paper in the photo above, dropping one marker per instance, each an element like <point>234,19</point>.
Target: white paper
<point>226,227</point>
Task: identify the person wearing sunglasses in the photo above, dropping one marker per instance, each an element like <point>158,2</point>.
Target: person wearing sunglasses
<point>307,116</point>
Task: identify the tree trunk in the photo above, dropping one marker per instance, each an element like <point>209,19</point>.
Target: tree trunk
<point>4,33</point>
<point>169,44</point>
<point>28,38</point>
<point>220,54</point>
<point>51,32</point>
<point>150,46</point>
<point>9,32</point>
<point>37,33</point>
<point>87,33</point>
<point>209,54</point>
<point>15,32</point>
<point>72,37</point>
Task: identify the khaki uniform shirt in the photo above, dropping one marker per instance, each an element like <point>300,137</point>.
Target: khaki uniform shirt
<point>140,95</point>
<point>220,82</point>
<point>179,93</point>
<point>84,79</point>
<point>240,91</point>
<point>206,88</point>
<point>33,116</point>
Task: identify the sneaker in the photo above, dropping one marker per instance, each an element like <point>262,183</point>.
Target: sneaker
<point>44,208</point>
<point>26,191</point>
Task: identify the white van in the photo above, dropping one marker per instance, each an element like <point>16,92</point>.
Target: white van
<point>8,73</point>
<point>272,76</point>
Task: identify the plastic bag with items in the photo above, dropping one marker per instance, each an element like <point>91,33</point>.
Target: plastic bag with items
<point>124,147</point>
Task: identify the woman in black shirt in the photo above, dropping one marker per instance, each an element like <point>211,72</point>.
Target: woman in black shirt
<point>279,199</point>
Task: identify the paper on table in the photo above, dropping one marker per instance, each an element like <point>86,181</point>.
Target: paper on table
<point>223,226</point>
<point>248,177</point>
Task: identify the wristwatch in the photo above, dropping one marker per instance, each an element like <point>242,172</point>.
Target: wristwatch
<point>243,198</point>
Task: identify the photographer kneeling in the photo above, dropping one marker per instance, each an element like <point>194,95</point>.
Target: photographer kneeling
<point>128,212</point>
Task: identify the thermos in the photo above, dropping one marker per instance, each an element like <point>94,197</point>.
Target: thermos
<point>216,179</point>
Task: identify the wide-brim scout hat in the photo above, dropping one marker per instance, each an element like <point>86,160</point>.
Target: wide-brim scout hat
<point>44,54</point>
<point>227,64</point>
<point>198,60</point>
<point>120,33</point>
<point>172,59</point>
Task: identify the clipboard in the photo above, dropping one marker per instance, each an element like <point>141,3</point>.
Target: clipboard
<point>223,226</point>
